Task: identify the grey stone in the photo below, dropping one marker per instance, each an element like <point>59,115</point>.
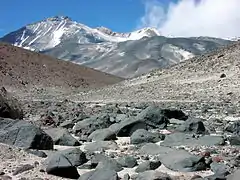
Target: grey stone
<point>148,165</point>
<point>181,139</point>
<point>59,165</point>
<point>127,161</point>
<point>154,149</point>
<point>109,164</point>
<point>234,176</point>
<point>180,160</point>
<point>62,137</point>
<point>126,177</point>
<point>89,125</point>
<point>233,127</point>
<point>67,124</point>
<point>23,134</point>
<point>192,126</point>
<point>102,135</point>
<point>143,136</point>
<point>219,169</point>
<point>9,106</point>
<point>100,174</point>
<point>100,145</point>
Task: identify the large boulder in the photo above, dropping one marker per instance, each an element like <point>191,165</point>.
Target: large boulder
<point>23,134</point>
<point>100,174</point>
<point>74,155</point>
<point>85,127</point>
<point>9,106</point>
<point>181,139</point>
<point>102,135</point>
<point>62,137</point>
<point>220,169</point>
<point>143,136</point>
<point>234,140</point>
<point>180,160</point>
<point>109,163</point>
<point>59,165</point>
<point>193,126</point>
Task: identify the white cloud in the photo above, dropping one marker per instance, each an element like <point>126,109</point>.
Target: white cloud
<point>215,18</point>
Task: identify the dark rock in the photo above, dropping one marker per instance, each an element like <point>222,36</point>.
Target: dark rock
<point>127,161</point>
<point>102,135</point>
<point>100,145</point>
<point>22,169</point>
<point>223,75</point>
<point>37,153</point>
<point>154,149</point>
<point>109,164</point>
<point>192,126</point>
<point>143,136</point>
<point>233,127</point>
<point>175,113</point>
<point>181,139</point>
<point>127,127</point>
<point>59,165</point>
<point>180,160</point>
<point>74,156</point>
<point>96,158</point>
<point>197,177</point>
<point>9,106</point>
<point>154,117</point>
<point>2,173</point>
<point>148,165</point>
<point>234,140</point>
<point>62,137</point>
<point>67,124</point>
<point>85,127</point>
<point>23,134</point>
<point>220,169</point>
<point>152,175</point>
<point>100,174</point>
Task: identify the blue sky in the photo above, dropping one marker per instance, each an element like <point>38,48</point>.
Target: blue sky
<point>118,15</point>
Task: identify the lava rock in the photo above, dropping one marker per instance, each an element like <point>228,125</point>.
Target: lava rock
<point>102,135</point>
<point>23,134</point>
<point>180,160</point>
<point>59,165</point>
<point>127,161</point>
<point>148,165</point>
<point>100,174</point>
<point>143,136</point>
<point>192,126</point>
<point>85,127</point>
<point>9,106</point>
<point>62,137</point>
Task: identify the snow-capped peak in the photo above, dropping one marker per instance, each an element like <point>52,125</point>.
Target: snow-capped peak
<point>53,31</point>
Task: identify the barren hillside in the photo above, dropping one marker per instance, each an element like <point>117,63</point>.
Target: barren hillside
<point>23,69</point>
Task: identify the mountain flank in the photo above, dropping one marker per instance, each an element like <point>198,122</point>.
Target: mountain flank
<point>20,68</point>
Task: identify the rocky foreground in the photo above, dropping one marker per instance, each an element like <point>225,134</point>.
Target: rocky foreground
<point>140,141</point>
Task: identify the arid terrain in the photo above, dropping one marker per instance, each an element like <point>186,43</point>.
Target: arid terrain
<point>67,121</point>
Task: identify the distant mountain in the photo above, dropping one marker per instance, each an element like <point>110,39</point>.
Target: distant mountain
<point>122,54</point>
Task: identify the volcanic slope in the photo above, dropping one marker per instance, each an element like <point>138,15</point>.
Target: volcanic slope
<point>210,77</point>
<point>23,69</point>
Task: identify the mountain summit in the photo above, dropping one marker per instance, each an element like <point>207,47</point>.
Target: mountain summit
<point>123,54</point>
